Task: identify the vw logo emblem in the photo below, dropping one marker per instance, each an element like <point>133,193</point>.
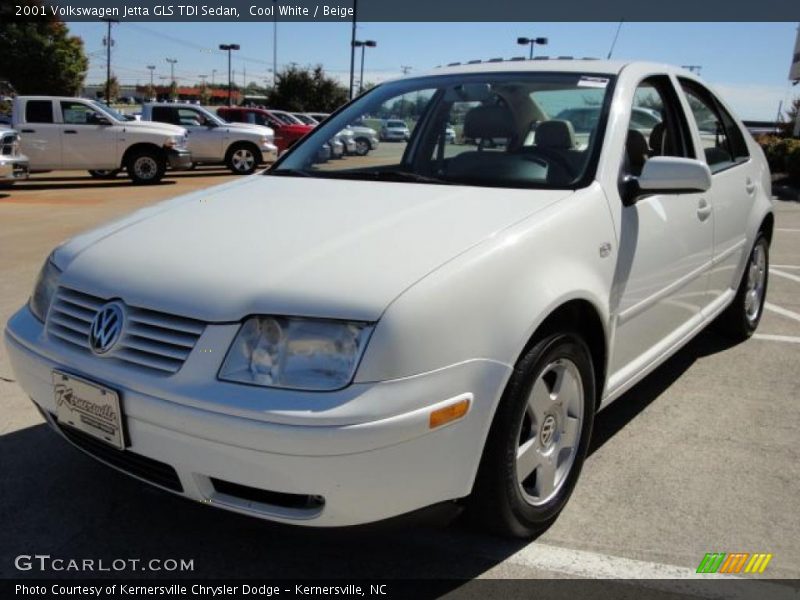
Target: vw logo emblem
<point>106,328</point>
<point>548,430</point>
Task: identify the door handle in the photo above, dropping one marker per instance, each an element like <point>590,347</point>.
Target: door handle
<point>703,209</point>
<point>749,186</point>
<point>28,131</point>
<point>71,131</point>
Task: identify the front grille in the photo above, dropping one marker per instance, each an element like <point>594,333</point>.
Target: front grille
<point>153,341</point>
<point>141,466</point>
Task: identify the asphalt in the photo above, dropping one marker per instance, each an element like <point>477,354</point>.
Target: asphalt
<point>702,456</point>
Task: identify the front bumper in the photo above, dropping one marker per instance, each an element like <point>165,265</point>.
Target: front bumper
<point>366,466</point>
<point>179,158</point>
<point>269,152</point>
<point>13,168</point>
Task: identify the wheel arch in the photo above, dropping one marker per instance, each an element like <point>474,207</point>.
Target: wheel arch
<point>138,147</point>
<point>242,143</point>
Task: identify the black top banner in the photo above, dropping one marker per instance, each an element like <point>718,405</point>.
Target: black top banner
<point>404,10</point>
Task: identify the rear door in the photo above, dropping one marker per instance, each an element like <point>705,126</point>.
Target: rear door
<point>40,134</point>
<point>722,145</point>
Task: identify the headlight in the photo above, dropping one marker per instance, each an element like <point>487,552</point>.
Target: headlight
<point>44,290</point>
<point>306,354</point>
<point>178,141</point>
<point>267,139</point>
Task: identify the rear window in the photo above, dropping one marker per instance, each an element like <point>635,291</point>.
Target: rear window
<point>39,111</point>
<point>164,114</point>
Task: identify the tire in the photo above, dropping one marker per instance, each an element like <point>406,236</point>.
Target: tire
<point>243,159</point>
<point>104,173</point>
<point>362,146</point>
<point>146,167</point>
<point>541,428</point>
<point>740,320</point>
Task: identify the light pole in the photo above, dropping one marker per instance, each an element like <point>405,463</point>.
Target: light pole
<point>172,83</point>
<point>353,47</point>
<point>363,45</point>
<point>213,74</point>
<point>274,42</point>
<point>523,41</point>
<point>692,68</point>
<point>109,42</point>
<point>229,48</point>
<point>152,68</point>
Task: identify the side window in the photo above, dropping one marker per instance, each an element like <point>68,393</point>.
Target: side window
<point>722,141</point>
<point>657,126</point>
<point>164,114</point>
<point>39,111</point>
<point>189,117</point>
<point>77,113</point>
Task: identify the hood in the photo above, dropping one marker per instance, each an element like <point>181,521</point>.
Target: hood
<point>165,128</point>
<point>364,130</point>
<point>289,246</point>
<point>247,128</point>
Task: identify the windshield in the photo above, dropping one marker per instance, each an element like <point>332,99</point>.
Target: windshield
<point>483,129</point>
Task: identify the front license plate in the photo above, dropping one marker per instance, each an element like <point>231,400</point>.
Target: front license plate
<point>90,407</point>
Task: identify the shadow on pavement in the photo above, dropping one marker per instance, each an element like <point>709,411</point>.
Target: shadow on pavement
<point>59,502</point>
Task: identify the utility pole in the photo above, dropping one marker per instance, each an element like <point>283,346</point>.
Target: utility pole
<point>274,41</point>
<point>692,68</point>
<point>213,74</point>
<point>405,69</point>
<point>172,83</point>
<point>353,47</point>
<point>108,42</point>
<point>152,68</point>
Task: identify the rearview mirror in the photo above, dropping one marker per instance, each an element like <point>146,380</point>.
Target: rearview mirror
<point>667,175</point>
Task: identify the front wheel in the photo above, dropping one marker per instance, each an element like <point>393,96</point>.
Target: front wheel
<point>146,167</point>
<point>243,159</point>
<point>538,440</point>
<point>741,318</point>
<point>362,146</point>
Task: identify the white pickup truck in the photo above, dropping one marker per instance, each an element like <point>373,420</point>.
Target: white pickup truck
<point>80,134</point>
<point>213,140</point>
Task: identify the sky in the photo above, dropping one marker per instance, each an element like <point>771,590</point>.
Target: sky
<point>747,63</point>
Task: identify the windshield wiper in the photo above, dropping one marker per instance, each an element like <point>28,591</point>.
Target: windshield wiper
<point>408,176</point>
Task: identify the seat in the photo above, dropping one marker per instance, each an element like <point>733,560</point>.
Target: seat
<point>555,142</point>
<point>658,140</point>
<point>489,122</point>
<point>556,135</point>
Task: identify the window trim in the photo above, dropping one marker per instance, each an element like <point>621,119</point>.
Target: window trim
<point>704,94</point>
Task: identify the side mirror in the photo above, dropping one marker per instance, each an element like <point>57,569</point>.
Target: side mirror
<point>667,175</point>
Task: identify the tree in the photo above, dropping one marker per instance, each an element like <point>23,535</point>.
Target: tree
<point>305,89</point>
<point>40,57</point>
<point>113,89</point>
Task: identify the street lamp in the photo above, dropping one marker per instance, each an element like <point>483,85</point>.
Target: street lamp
<point>523,41</point>
<point>363,45</point>
<point>228,48</point>
<point>172,62</point>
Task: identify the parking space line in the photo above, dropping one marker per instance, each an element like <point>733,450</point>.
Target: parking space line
<point>785,267</point>
<point>790,230</point>
<point>789,339</point>
<point>784,312</point>
<point>785,275</point>
<point>584,564</point>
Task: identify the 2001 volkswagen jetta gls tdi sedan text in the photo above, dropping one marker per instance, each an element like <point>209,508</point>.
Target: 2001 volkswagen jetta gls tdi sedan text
<point>338,343</point>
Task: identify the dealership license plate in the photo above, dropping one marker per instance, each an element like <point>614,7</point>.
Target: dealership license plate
<point>92,408</point>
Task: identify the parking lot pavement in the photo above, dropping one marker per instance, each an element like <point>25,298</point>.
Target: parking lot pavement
<point>701,457</point>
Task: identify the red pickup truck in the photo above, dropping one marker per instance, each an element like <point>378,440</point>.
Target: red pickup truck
<point>286,133</point>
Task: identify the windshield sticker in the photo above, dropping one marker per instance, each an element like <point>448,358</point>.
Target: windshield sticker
<point>593,82</point>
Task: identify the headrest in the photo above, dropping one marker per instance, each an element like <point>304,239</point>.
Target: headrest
<point>483,122</point>
<point>636,144</point>
<point>657,139</point>
<point>555,134</point>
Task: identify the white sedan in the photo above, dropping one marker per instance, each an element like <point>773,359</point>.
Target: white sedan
<point>338,343</point>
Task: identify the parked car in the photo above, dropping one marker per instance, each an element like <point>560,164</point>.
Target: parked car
<point>366,138</point>
<point>395,130</point>
<point>286,133</point>
<point>78,134</point>
<point>306,119</point>
<point>13,164</point>
<point>336,344</point>
<point>351,141</point>
<point>214,141</point>
<point>449,134</point>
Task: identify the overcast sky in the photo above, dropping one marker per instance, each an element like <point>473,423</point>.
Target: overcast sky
<point>748,63</point>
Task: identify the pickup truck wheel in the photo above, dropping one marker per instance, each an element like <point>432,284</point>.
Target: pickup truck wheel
<point>243,159</point>
<point>740,320</point>
<point>362,146</point>
<point>104,173</point>
<point>146,167</point>
<point>538,439</point>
